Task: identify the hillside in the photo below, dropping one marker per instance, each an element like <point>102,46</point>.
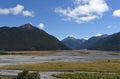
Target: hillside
<point>111,42</point>
<point>91,41</point>
<point>28,37</point>
<point>72,42</point>
<point>103,42</point>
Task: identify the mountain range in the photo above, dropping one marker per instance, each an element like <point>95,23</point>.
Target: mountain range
<point>72,42</point>
<point>28,37</point>
<point>103,42</point>
<point>92,41</point>
<point>111,42</point>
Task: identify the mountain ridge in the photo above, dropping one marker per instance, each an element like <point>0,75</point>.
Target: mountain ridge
<point>91,41</point>
<point>103,42</point>
<point>112,42</point>
<point>28,37</point>
<point>73,42</point>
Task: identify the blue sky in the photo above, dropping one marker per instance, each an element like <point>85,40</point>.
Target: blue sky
<point>62,18</point>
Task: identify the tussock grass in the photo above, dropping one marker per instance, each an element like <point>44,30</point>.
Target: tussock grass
<point>87,76</point>
<point>27,52</point>
<point>83,52</point>
<point>5,77</point>
<point>101,65</point>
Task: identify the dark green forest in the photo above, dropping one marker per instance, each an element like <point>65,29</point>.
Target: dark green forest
<point>28,37</point>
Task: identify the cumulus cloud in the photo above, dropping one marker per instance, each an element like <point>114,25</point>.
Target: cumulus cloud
<point>41,26</point>
<point>84,10</point>
<point>4,11</point>
<point>27,13</point>
<point>116,13</point>
<point>18,9</point>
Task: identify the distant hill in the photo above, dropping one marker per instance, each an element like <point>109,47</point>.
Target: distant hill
<point>28,37</point>
<point>103,42</point>
<point>91,41</point>
<point>72,42</point>
<point>111,42</point>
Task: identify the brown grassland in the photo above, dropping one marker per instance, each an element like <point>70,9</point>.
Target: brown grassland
<point>5,77</point>
<point>100,65</point>
<point>27,52</point>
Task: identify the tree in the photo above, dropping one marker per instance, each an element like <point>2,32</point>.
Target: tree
<point>26,75</point>
<point>34,75</point>
<point>23,75</point>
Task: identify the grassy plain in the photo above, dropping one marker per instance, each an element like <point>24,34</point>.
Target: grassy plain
<point>87,76</point>
<point>5,77</point>
<point>100,65</point>
<point>27,52</point>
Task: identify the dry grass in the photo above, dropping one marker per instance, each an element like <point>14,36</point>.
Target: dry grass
<point>83,52</point>
<point>114,54</point>
<point>87,76</point>
<point>105,65</point>
<point>5,77</point>
<point>28,52</point>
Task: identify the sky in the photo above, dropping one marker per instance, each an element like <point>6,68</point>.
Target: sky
<point>62,18</point>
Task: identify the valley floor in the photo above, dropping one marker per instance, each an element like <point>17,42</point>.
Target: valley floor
<point>58,56</point>
<point>62,61</point>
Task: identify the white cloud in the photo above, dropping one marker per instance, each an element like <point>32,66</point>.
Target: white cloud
<point>97,35</point>
<point>18,9</point>
<point>84,10</point>
<point>15,10</point>
<point>4,11</point>
<point>116,13</point>
<point>109,26</point>
<point>27,13</point>
<point>41,26</point>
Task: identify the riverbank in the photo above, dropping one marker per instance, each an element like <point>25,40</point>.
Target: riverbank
<point>98,65</point>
